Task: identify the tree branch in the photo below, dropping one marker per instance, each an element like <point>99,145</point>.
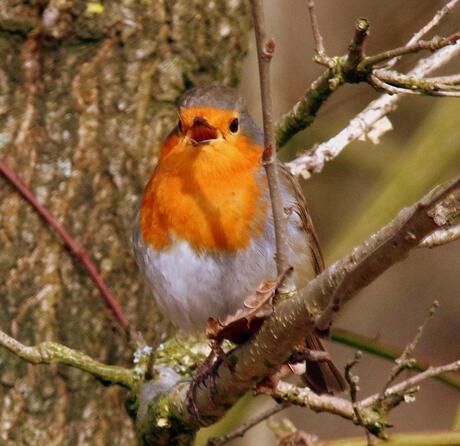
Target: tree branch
<point>369,121</point>
<point>340,70</point>
<point>265,51</point>
<point>52,352</point>
<point>396,83</point>
<point>317,37</point>
<point>369,417</point>
<point>432,45</point>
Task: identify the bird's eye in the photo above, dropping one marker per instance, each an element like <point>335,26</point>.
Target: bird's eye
<point>234,125</point>
<point>179,125</point>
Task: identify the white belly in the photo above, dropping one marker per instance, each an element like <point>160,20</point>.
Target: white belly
<point>190,286</point>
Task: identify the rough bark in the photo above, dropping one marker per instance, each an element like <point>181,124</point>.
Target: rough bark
<point>87,93</point>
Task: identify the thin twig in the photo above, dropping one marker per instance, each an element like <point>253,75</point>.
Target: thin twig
<point>356,48</point>
<point>386,351</point>
<point>78,251</point>
<point>440,14</point>
<point>353,381</point>
<point>397,83</point>
<point>366,121</point>
<point>448,79</point>
<point>304,111</point>
<point>247,426</point>
<point>431,45</point>
<point>412,382</point>
<point>265,51</point>
<point>317,37</point>
<point>405,360</point>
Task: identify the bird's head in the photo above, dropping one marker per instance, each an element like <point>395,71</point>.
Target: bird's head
<point>213,118</point>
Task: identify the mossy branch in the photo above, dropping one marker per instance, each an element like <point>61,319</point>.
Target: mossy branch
<point>52,352</point>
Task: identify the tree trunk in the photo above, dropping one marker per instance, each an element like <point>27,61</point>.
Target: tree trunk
<point>87,94</point>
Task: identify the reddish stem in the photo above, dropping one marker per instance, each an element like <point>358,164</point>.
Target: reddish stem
<point>74,248</point>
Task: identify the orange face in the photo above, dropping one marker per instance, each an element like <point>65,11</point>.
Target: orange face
<point>205,188</point>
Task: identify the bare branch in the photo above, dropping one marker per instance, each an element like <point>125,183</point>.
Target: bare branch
<point>265,50</point>
<point>366,121</point>
<point>397,83</point>
<point>370,418</point>
<point>431,45</point>
<point>405,360</point>
<point>304,111</point>
<point>440,14</point>
<point>393,245</point>
<point>356,47</point>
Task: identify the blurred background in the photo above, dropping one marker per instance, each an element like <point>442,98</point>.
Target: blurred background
<point>364,188</point>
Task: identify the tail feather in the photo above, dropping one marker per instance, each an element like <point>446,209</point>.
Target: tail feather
<point>322,376</point>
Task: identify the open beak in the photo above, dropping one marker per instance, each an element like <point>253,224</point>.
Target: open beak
<point>202,132</point>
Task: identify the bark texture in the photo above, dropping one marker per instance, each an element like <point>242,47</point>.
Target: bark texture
<point>87,92</point>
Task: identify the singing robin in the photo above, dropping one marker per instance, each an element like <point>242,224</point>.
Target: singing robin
<point>205,238</point>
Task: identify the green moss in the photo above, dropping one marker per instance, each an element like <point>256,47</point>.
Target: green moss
<point>160,426</point>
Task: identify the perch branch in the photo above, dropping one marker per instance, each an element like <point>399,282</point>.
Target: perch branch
<point>76,250</point>
<point>392,243</point>
<point>265,51</point>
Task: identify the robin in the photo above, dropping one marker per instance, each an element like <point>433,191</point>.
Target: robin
<point>205,238</point>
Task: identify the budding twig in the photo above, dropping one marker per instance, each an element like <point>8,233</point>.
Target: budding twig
<point>405,361</point>
<point>265,51</point>
<point>317,37</point>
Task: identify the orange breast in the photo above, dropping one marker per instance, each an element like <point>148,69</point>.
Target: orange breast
<point>208,196</point>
